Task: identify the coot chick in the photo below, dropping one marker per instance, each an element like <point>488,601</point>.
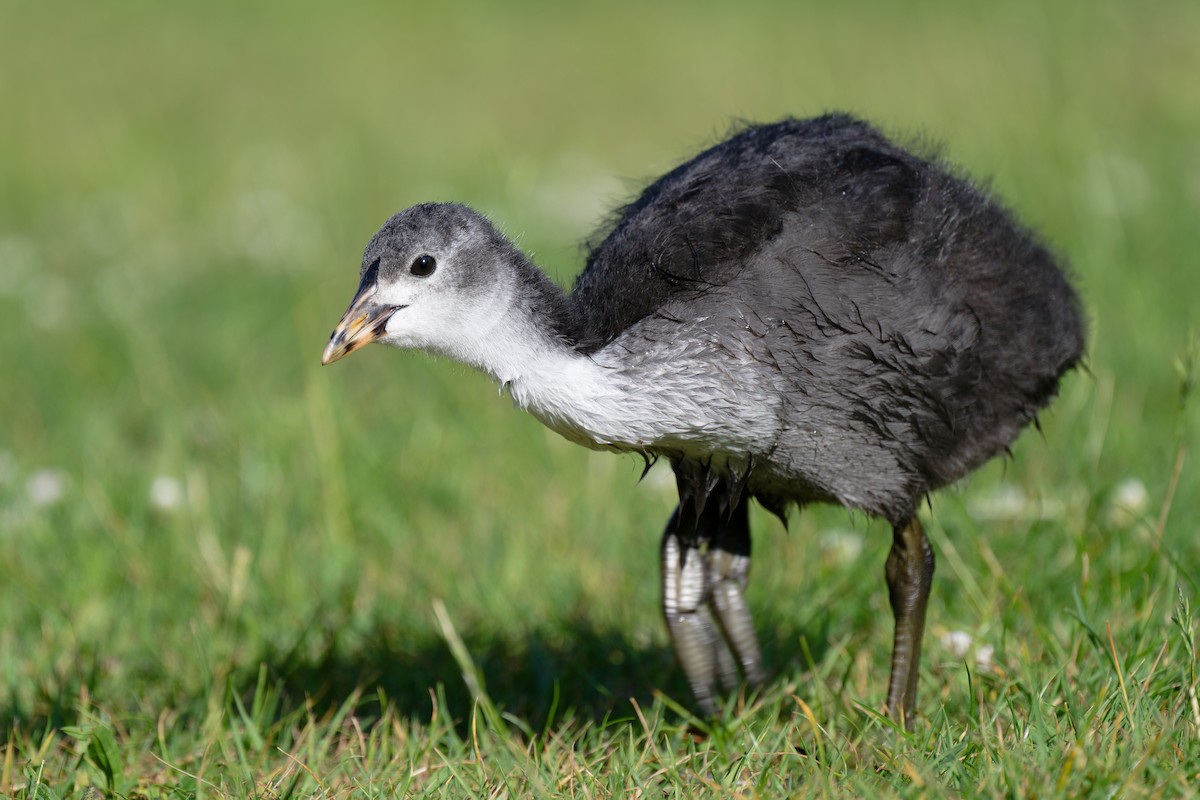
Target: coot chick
<point>806,312</point>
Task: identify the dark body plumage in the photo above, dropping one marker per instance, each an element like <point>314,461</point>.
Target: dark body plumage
<point>916,324</point>
<point>805,312</point>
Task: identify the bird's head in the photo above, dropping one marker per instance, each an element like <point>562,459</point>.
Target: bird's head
<point>433,278</point>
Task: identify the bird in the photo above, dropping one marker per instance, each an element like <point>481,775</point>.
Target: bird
<point>806,312</point>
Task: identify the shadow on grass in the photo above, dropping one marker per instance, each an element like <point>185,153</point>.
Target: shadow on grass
<point>572,670</point>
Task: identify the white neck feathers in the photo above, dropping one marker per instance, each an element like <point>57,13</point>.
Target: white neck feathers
<point>565,389</point>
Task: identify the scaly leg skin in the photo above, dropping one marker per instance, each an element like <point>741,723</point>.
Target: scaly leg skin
<point>692,631</point>
<point>728,574</point>
<point>909,576</point>
<point>705,566</point>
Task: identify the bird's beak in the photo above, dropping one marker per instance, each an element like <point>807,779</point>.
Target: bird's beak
<point>364,322</point>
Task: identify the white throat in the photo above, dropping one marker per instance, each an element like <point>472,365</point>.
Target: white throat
<point>569,392</point>
<point>629,395</point>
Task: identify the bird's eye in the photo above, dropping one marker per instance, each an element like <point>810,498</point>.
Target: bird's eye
<point>423,266</point>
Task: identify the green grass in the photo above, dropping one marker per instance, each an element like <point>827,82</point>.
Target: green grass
<point>377,579</point>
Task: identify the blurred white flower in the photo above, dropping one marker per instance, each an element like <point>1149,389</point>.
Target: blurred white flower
<point>1006,501</point>
<point>166,492</point>
<point>957,642</point>
<point>46,487</point>
<point>1129,499</point>
<point>960,644</point>
<point>841,544</point>
<point>983,657</point>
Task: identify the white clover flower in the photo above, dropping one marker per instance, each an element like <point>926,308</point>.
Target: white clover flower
<point>46,487</point>
<point>957,642</point>
<point>1006,501</point>
<point>983,657</point>
<point>1129,500</point>
<point>841,544</point>
<point>166,493</point>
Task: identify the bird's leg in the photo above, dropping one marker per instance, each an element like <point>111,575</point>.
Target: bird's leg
<point>705,567</point>
<point>684,590</point>
<point>909,576</point>
<point>728,574</point>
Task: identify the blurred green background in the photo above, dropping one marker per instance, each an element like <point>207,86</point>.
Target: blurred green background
<point>185,190</point>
